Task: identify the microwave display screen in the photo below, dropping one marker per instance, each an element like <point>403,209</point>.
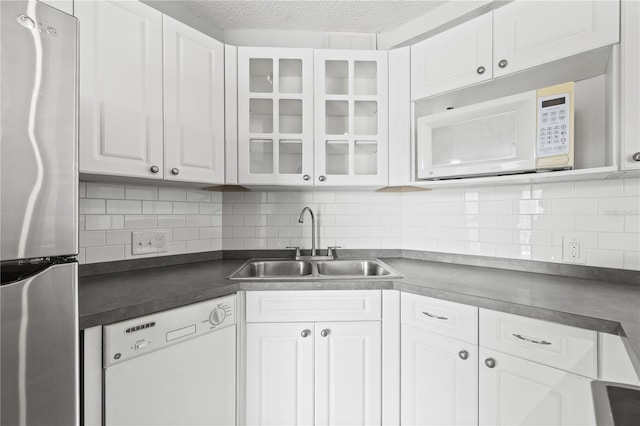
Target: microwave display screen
<point>553,102</point>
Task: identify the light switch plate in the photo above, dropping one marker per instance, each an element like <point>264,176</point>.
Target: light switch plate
<point>145,242</point>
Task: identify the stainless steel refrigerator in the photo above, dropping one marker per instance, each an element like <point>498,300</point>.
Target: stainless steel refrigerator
<point>38,216</point>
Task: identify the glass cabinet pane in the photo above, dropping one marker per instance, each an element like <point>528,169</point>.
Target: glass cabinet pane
<point>337,157</point>
<point>336,77</point>
<point>365,157</point>
<point>365,78</point>
<point>337,117</point>
<point>290,156</point>
<point>261,156</point>
<point>290,75</point>
<point>290,116</point>
<point>365,121</point>
<point>261,75</point>
<point>261,116</point>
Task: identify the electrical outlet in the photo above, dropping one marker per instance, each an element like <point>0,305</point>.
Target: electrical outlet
<point>574,249</point>
<point>144,242</point>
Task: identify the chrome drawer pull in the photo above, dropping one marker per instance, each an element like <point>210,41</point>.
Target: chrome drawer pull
<point>537,342</point>
<point>435,316</point>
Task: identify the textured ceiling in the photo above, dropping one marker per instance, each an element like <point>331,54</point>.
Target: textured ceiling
<point>307,15</point>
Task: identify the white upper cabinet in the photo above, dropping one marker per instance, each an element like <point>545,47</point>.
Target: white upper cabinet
<point>454,58</point>
<point>630,86</point>
<point>351,124</point>
<point>275,116</point>
<point>529,33</point>
<point>120,88</point>
<point>193,104</point>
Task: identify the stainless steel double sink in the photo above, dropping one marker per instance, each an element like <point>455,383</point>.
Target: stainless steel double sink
<point>278,269</point>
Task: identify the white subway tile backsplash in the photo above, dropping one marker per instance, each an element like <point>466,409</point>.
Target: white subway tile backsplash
<point>519,221</point>
<point>111,191</point>
<point>124,207</point>
<point>141,192</point>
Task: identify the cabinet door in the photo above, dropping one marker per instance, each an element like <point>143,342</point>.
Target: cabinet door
<point>529,33</point>
<point>120,88</point>
<point>519,392</point>
<point>193,104</point>
<point>455,58</point>
<point>63,5</point>
<point>348,387</point>
<point>275,116</point>
<point>630,90</point>
<point>439,379</point>
<point>351,110</point>
<point>279,374</point>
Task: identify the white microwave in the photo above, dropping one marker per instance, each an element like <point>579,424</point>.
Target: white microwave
<point>527,132</point>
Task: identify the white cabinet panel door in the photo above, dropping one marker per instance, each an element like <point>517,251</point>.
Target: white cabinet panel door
<point>280,374</point>
<point>439,377</point>
<point>520,392</point>
<point>275,116</point>
<point>529,33</point>
<point>630,90</point>
<point>452,59</point>
<point>348,373</point>
<point>193,104</point>
<point>120,88</point>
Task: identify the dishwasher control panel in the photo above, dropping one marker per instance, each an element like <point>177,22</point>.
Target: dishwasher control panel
<point>131,338</point>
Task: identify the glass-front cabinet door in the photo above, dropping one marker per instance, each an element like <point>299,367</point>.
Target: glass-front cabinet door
<point>275,116</point>
<point>351,102</point>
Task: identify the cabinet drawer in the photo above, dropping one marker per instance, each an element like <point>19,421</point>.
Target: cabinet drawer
<point>440,316</point>
<point>556,345</point>
<point>323,305</point>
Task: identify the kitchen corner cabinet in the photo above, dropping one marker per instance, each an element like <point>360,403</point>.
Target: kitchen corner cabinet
<point>193,104</point>
<point>127,127</point>
<point>454,58</point>
<point>275,116</point>
<point>515,391</point>
<point>351,118</point>
<point>120,115</point>
<point>630,86</point>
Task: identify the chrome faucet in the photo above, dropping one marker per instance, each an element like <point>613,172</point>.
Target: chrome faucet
<point>313,228</point>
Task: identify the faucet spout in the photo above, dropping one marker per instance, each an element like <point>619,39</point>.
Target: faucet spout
<point>313,228</point>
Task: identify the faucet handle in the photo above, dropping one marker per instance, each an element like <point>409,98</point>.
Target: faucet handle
<point>331,250</point>
<point>296,248</point>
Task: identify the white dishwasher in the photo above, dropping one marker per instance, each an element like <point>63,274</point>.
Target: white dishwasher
<point>176,367</point>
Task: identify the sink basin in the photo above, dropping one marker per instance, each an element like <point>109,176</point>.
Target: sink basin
<point>274,269</point>
<point>360,268</point>
<point>277,269</point>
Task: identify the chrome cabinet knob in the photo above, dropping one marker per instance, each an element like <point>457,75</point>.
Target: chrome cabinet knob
<point>155,169</point>
<point>306,177</point>
<point>490,362</point>
<point>322,178</point>
<point>636,156</point>
<point>325,332</point>
<point>305,333</point>
<point>175,171</point>
<point>503,63</point>
<point>463,354</point>
<point>480,70</point>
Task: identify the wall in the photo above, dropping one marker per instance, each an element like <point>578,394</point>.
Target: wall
<point>109,212</point>
<point>519,222</point>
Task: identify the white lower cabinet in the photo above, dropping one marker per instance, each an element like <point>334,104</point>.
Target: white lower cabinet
<point>515,391</point>
<point>314,373</point>
<point>439,377</point>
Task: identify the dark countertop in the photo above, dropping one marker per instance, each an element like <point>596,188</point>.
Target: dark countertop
<point>593,304</point>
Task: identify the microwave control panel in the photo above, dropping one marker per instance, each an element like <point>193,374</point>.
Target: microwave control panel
<point>554,125</point>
